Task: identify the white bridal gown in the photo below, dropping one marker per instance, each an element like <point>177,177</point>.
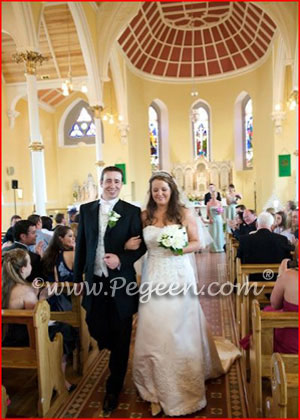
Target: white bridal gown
<point>174,349</point>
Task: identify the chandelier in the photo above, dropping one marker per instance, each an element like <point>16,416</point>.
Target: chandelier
<point>109,116</point>
<point>292,100</point>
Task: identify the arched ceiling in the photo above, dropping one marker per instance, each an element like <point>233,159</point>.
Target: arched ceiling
<point>58,40</point>
<point>181,40</point>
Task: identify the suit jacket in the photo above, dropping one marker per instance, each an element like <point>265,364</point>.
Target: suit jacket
<point>263,247</point>
<point>115,238</point>
<point>34,258</point>
<point>244,229</point>
<point>207,197</point>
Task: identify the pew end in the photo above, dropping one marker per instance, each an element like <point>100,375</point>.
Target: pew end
<point>42,354</point>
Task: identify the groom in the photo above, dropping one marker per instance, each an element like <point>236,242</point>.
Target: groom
<point>100,255</point>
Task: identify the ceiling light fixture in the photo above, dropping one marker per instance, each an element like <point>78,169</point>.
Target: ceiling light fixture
<point>110,117</point>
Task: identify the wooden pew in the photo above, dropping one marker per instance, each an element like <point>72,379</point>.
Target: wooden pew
<point>42,354</point>
<point>244,300</point>
<point>233,252</point>
<point>284,391</point>
<point>88,348</point>
<point>261,350</point>
<point>228,238</point>
<point>4,399</point>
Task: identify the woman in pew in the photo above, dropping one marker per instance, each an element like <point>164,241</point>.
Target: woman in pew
<point>284,298</point>
<point>57,263</point>
<point>18,294</point>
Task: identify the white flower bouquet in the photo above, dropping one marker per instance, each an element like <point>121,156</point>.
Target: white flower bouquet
<point>173,237</point>
<point>113,217</point>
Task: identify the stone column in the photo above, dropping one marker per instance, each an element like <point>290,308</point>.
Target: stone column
<point>31,59</point>
<point>98,138</point>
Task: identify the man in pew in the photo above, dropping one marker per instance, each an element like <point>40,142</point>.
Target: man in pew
<point>263,246</point>
<point>24,236</point>
<point>249,224</point>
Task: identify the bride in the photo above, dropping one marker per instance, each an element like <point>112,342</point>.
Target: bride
<point>174,351</point>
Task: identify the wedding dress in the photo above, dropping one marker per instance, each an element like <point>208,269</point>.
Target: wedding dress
<point>174,350</point>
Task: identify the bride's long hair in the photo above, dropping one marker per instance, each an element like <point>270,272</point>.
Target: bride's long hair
<point>175,208</point>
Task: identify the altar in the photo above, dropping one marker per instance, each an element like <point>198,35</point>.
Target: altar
<point>194,177</point>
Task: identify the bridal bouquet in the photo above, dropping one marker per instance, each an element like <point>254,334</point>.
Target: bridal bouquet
<point>220,210</point>
<point>173,237</point>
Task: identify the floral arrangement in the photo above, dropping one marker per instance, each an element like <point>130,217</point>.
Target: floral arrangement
<point>220,210</point>
<point>194,197</point>
<point>174,238</point>
<point>113,217</point>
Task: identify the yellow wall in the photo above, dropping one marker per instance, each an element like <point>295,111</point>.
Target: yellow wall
<point>64,165</point>
<point>221,96</point>
<point>16,154</point>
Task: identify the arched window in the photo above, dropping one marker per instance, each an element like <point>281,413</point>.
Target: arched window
<point>200,117</point>
<point>247,132</point>
<point>79,125</point>
<point>154,134</point>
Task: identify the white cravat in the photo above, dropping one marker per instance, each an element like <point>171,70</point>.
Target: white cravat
<point>100,268</point>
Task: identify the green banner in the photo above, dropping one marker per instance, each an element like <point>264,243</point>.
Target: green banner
<point>122,166</point>
<point>284,163</point>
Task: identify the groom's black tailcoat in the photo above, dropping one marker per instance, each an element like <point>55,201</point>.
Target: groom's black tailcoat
<point>109,318</point>
<point>128,225</point>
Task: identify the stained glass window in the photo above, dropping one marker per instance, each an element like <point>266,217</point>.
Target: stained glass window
<point>201,132</point>
<point>154,135</point>
<point>248,134</point>
<point>84,126</point>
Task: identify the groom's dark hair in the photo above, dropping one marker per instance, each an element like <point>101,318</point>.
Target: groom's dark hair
<point>111,169</point>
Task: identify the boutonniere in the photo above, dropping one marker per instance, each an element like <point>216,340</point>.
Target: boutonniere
<point>113,217</point>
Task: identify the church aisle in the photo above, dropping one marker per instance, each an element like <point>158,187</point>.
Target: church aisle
<point>225,395</point>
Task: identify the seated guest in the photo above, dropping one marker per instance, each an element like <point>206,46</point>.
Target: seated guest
<point>263,246</point>
<point>290,206</point>
<point>24,237</point>
<point>57,263</point>
<point>280,222</point>
<point>284,297</point>
<point>280,226</point>
<point>18,294</point>
<point>9,237</point>
<point>47,225</point>
<point>72,214</point>
<point>240,208</point>
<point>40,235</point>
<point>271,210</point>
<point>60,219</point>
<point>294,226</point>
<point>207,197</point>
<point>74,227</point>
<point>249,224</point>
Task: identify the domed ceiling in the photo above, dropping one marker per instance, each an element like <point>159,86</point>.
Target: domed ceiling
<point>196,39</point>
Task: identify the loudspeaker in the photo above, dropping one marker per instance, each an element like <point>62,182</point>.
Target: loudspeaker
<point>14,184</point>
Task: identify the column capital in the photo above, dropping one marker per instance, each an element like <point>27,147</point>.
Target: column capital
<point>36,146</point>
<point>12,115</point>
<point>100,163</point>
<point>30,59</point>
<point>97,110</point>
